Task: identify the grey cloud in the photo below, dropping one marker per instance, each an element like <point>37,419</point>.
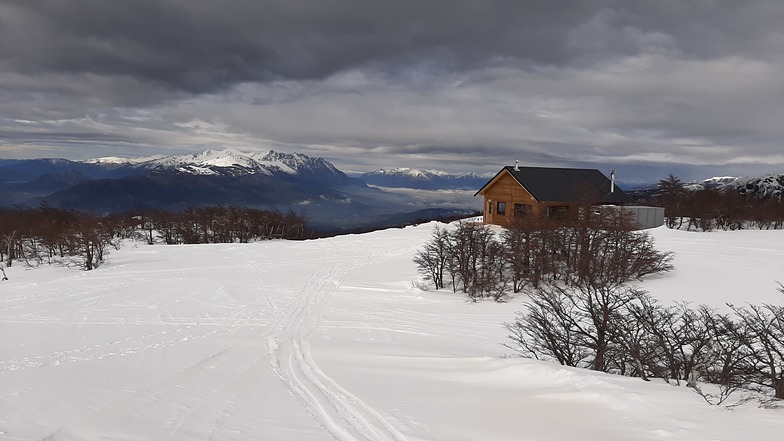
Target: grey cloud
<point>203,45</point>
<point>199,45</point>
<point>462,83</point>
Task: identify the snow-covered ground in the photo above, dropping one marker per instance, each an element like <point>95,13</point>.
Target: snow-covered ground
<point>330,340</point>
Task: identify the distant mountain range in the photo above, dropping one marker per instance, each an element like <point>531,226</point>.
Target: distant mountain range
<point>424,179</point>
<point>330,198</point>
<point>270,180</point>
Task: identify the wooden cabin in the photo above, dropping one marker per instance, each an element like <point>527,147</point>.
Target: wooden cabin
<point>547,193</point>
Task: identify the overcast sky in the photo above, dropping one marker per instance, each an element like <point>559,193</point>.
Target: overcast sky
<point>693,87</point>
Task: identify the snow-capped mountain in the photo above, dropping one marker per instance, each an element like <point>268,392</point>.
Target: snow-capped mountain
<point>714,182</point>
<point>230,162</point>
<point>110,161</point>
<point>293,162</point>
<point>267,180</point>
<point>210,162</point>
<point>719,181</point>
<point>423,179</point>
<point>227,177</point>
<point>770,186</point>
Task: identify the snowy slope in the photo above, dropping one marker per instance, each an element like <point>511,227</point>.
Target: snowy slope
<point>329,340</point>
<point>294,163</point>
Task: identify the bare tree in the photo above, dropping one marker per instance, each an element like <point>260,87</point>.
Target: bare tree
<point>611,252</point>
<point>92,236</point>
<point>521,241</point>
<point>9,247</point>
<point>432,260</point>
<point>638,347</point>
<point>488,277</point>
<point>546,330</point>
<point>764,338</point>
<point>672,195</point>
<point>726,361</point>
<point>569,320</point>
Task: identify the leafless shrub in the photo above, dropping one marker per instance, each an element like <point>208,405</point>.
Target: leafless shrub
<point>575,325</point>
<point>623,330</point>
<point>761,331</point>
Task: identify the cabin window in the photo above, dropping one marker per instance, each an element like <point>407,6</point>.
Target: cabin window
<point>489,207</point>
<point>523,210</point>
<point>501,208</point>
<point>558,212</point>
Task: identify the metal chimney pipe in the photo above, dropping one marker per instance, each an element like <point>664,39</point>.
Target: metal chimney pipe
<point>517,167</point>
<point>612,181</point>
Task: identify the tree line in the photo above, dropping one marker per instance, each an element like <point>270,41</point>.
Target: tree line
<point>49,235</point>
<point>601,244</point>
<point>220,225</point>
<point>709,208</point>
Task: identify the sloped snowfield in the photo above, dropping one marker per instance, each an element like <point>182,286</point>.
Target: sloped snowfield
<point>330,340</point>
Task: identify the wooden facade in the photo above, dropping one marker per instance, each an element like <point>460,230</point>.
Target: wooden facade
<point>505,191</point>
<point>517,193</point>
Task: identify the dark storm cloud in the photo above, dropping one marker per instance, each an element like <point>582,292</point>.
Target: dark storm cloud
<point>201,46</point>
<point>414,82</point>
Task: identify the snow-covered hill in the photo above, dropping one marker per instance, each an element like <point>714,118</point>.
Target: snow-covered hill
<point>331,339</point>
<point>770,186</point>
<point>719,182</point>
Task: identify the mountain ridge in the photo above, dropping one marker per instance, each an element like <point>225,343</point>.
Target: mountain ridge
<point>423,179</point>
<point>265,180</point>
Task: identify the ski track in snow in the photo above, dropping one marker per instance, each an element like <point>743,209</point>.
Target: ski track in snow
<point>198,400</point>
<point>339,412</point>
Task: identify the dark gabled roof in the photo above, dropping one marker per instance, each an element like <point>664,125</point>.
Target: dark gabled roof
<point>547,184</point>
